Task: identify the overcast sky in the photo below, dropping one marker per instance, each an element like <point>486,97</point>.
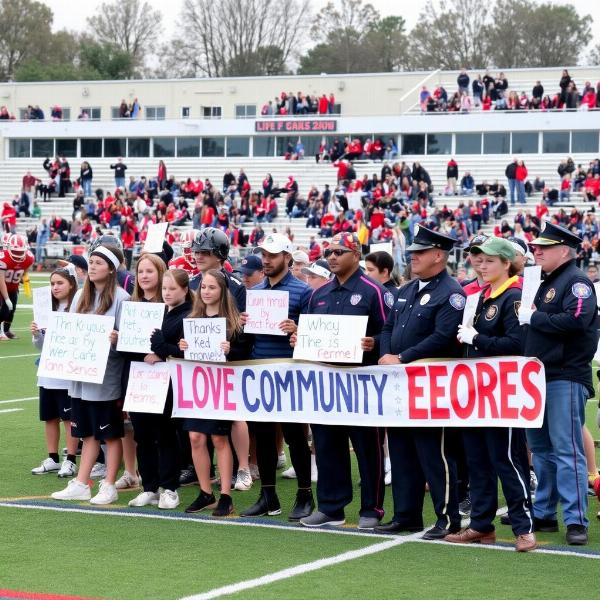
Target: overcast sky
<point>72,15</point>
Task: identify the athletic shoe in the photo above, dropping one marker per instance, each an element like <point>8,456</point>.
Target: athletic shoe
<point>224,507</point>
<point>202,502</point>
<point>319,519</point>
<point>75,490</point>
<point>127,481</point>
<point>107,494</point>
<point>49,465</point>
<point>254,472</point>
<point>145,499</point>
<point>525,542</point>
<point>67,469</point>
<point>243,481</point>
<point>168,500</point>
<point>188,477</point>
<point>577,535</point>
<point>98,471</point>
<point>289,473</point>
<point>281,461</point>
<point>367,523</point>
<point>314,472</point>
<point>464,507</point>
<point>78,453</point>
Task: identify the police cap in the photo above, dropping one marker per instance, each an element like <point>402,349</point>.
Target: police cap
<point>425,239</point>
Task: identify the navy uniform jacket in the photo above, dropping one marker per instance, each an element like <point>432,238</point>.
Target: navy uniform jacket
<point>236,287</point>
<point>391,287</point>
<point>359,295</point>
<point>424,324</point>
<point>563,332</point>
<point>497,323</point>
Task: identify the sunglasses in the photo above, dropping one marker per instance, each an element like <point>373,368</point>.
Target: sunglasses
<point>338,253</point>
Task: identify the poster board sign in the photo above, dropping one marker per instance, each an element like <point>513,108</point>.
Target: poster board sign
<point>266,309</point>
<point>147,387</point>
<point>138,321</point>
<point>42,306</point>
<point>204,337</point>
<point>155,237</point>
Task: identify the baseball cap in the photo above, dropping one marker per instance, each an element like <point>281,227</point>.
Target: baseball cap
<point>75,259</point>
<point>495,246</point>
<point>274,243</point>
<point>299,256</point>
<point>251,264</point>
<point>319,268</point>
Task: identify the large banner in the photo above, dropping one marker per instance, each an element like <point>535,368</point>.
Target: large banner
<point>495,392</point>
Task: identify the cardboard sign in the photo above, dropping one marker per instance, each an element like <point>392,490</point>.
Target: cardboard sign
<point>147,388</point>
<point>204,337</point>
<point>354,200</point>
<point>138,321</point>
<point>266,309</point>
<point>470,308</point>
<point>330,338</point>
<point>76,347</point>
<point>382,247</point>
<point>155,237</point>
<point>532,279</point>
<point>42,306</point>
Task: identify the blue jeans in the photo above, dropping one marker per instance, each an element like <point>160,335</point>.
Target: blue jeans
<point>120,182</point>
<point>520,191</point>
<point>87,187</point>
<point>512,186</point>
<point>558,455</point>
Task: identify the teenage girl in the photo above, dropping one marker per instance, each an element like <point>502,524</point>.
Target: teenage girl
<point>96,407</point>
<point>215,300</point>
<point>55,404</point>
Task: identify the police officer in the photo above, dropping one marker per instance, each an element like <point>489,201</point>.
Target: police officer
<point>494,452</point>
<point>211,248</point>
<point>562,331</point>
<point>349,292</point>
<point>423,324</point>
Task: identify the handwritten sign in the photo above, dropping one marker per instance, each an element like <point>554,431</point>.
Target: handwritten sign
<point>470,309</point>
<point>266,309</point>
<point>532,279</point>
<point>76,347</point>
<point>138,321</point>
<point>147,388</point>
<point>330,338</point>
<point>156,237</point>
<point>382,247</point>
<point>42,306</point>
<point>204,337</point>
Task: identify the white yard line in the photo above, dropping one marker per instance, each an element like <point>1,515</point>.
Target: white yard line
<point>18,400</point>
<point>10,410</point>
<point>17,355</point>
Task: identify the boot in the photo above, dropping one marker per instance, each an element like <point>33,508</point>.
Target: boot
<point>266,505</point>
<point>303,506</point>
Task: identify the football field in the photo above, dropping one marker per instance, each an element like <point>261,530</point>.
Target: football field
<point>51,549</point>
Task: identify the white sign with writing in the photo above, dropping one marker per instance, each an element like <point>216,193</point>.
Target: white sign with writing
<point>76,347</point>
<point>204,337</point>
<point>147,388</point>
<point>330,338</point>
<point>42,306</point>
<point>138,321</point>
<point>266,309</point>
<point>470,308</point>
<point>532,279</point>
<point>155,237</point>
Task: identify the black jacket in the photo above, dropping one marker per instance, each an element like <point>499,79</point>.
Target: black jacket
<point>164,341</point>
<point>511,170</point>
<point>563,332</point>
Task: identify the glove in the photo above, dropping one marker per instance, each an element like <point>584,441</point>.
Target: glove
<point>466,334</point>
<point>9,304</point>
<point>525,315</point>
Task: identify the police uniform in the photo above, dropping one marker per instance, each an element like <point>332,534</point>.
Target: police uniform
<point>358,295</point>
<point>563,333</point>
<point>235,286</point>
<point>423,324</point>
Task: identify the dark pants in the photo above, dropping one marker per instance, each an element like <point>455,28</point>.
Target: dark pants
<point>128,252</point>
<point>334,486</point>
<point>456,450</point>
<point>419,456</point>
<point>157,449</point>
<point>494,452</point>
<point>266,451</point>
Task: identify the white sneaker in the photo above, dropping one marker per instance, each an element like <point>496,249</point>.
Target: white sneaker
<point>145,499</point>
<point>49,465</point>
<point>254,472</point>
<point>75,490</point>
<point>107,494</point>
<point>289,473</point>
<point>127,481</point>
<point>67,469</point>
<point>243,481</point>
<point>314,472</point>
<point>168,500</point>
<point>98,471</point>
<point>281,461</point>
<point>387,479</point>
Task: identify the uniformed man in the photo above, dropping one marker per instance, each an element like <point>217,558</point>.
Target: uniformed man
<point>562,331</point>
<point>349,292</point>
<point>423,324</point>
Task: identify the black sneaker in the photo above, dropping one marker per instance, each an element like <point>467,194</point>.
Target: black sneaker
<point>202,502</point>
<point>577,535</point>
<point>303,506</point>
<point>188,477</point>
<point>545,525</point>
<point>266,505</point>
<point>224,507</point>
<point>464,508</point>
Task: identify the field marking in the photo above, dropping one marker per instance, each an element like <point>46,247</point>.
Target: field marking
<point>132,513</point>
<point>20,355</point>
<point>11,410</point>
<point>300,569</point>
<point>18,400</point>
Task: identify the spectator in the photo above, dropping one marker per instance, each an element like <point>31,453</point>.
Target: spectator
<point>85,178</point>
<point>565,188</point>
<point>41,239</point>
<point>424,97</point>
<point>511,175</point>
<point>538,90</point>
<point>57,113</point>
<point>520,177</point>
<point>467,184</point>
<point>463,82</point>
<point>478,89</point>
<point>162,175</point>
<point>119,168</point>
<point>135,109</point>
<point>452,175</point>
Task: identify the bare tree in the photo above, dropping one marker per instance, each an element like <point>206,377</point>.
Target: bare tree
<point>221,38</point>
<point>129,24</point>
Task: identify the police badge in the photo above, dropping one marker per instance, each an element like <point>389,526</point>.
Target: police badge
<point>355,299</point>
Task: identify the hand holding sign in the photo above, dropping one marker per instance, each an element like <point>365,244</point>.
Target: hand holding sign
<point>266,309</point>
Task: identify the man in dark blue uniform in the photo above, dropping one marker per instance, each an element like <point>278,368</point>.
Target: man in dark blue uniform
<point>350,292</point>
<point>562,331</point>
<point>423,324</point>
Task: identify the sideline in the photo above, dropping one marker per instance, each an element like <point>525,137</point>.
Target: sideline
<point>18,400</point>
<point>11,410</point>
<point>19,355</point>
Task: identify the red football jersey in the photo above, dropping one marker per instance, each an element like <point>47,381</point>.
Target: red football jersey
<point>13,270</point>
<point>181,262</point>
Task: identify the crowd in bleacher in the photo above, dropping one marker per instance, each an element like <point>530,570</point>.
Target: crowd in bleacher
<point>292,104</point>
